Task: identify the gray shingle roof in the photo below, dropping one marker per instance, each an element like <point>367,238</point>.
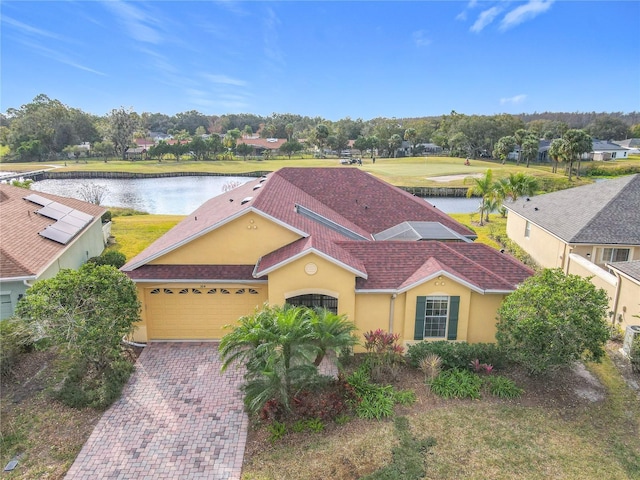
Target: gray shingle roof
<point>631,269</point>
<point>606,212</point>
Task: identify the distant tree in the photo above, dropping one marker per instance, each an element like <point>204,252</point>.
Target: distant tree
<point>503,147</point>
<point>289,129</point>
<point>247,130</point>
<point>484,188</point>
<point>93,193</point>
<point>244,150</point>
<point>519,136</point>
<point>552,320</point>
<point>270,130</point>
<point>121,125</point>
<point>529,148</point>
<point>190,121</point>
<point>361,143</point>
<point>338,142</point>
<point>577,143</point>
<point>231,138</point>
<point>557,149</point>
<point>411,135</point>
<point>291,147</point>
<point>198,148</point>
<point>634,131</point>
<point>608,128</point>
<point>395,142</point>
<point>516,185</point>
<point>103,149</point>
<point>200,131</point>
<point>159,150</point>
<point>374,143</point>
<point>178,149</point>
<point>322,133</point>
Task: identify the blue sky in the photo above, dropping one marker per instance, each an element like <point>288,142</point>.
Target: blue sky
<point>333,59</point>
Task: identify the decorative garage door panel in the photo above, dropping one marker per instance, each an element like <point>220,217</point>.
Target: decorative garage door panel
<point>192,313</point>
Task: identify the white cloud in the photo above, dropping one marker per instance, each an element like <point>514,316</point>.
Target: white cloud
<point>525,12</point>
<point>224,80</point>
<point>485,18</point>
<point>515,100</point>
<point>420,38</point>
<point>271,48</point>
<point>28,29</point>
<point>139,24</point>
<point>61,58</point>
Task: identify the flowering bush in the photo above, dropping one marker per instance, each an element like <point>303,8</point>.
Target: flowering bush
<point>384,354</point>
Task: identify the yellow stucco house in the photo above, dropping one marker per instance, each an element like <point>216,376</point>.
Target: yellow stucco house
<point>333,237</point>
<point>587,231</point>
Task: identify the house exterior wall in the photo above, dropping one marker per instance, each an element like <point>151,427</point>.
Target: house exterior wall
<point>89,244</point>
<point>547,250</point>
<point>627,310</point>
<point>240,242</point>
<point>482,317</point>
<point>330,279</point>
<point>10,293</point>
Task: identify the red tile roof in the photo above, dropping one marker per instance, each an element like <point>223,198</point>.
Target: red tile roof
<point>268,143</point>
<point>23,252</point>
<point>343,208</point>
<point>231,273</point>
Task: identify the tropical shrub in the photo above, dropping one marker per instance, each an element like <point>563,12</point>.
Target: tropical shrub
<point>86,313</point>
<point>110,257</point>
<point>456,354</point>
<point>502,387</point>
<point>635,354</point>
<point>552,320</point>
<point>457,383</point>
<point>279,346</point>
<point>15,338</point>
<point>431,366</point>
<point>384,354</point>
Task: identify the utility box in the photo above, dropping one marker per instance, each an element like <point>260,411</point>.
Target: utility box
<point>630,334</point>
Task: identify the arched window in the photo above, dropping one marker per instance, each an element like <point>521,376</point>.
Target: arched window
<point>315,300</point>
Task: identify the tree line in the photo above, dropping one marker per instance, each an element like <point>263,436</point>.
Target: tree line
<point>46,128</point>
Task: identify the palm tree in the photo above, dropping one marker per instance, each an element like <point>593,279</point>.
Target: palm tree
<point>278,346</point>
<point>516,185</point>
<point>556,152</point>
<point>577,142</point>
<point>485,188</point>
<point>331,332</point>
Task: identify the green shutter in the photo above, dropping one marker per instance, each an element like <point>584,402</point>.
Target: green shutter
<point>420,312</point>
<point>454,307</point>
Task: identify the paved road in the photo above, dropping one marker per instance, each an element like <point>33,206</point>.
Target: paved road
<point>178,418</point>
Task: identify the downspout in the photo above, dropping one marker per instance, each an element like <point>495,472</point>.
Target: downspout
<point>391,309</point>
<point>616,298</point>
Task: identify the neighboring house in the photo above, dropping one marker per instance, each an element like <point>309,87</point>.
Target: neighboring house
<point>40,234</point>
<point>584,230</point>
<point>599,222</point>
<point>262,144</point>
<point>333,237</point>
<point>626,303</point>
<point>604,150</point>
<point>632,144</point>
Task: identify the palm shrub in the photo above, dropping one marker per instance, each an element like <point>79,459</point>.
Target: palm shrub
<point>279,346</point>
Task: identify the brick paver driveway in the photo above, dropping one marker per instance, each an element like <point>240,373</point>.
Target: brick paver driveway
<point>178,418</point>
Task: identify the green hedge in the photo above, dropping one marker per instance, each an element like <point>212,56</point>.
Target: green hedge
<point>457,354</point>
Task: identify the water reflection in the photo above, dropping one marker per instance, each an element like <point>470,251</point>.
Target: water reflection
<point>182,195</point>
<point>169,195</point>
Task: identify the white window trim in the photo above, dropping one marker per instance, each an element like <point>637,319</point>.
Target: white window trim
<point>446,321</point>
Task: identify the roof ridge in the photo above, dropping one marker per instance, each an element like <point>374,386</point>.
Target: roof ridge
<point>482,267</point>
<point>17,262</point>
<point>597,213</point>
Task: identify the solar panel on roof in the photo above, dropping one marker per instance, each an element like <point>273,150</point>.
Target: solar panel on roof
<point>66,227</point>
<point>56,235</point>
<point>74,220</point>
<point>38,199</point>
<point>51,212</point>
<point>81,215</point>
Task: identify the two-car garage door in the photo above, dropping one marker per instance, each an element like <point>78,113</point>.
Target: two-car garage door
<point>196,312</point>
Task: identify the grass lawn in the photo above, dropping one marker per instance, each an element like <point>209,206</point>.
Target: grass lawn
<point>409,172</point>
<point>136,232</point>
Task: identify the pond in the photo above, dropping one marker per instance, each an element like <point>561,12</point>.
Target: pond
<point>182,195</point>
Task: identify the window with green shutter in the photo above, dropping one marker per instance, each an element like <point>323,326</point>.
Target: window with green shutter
<point>437,317</point>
